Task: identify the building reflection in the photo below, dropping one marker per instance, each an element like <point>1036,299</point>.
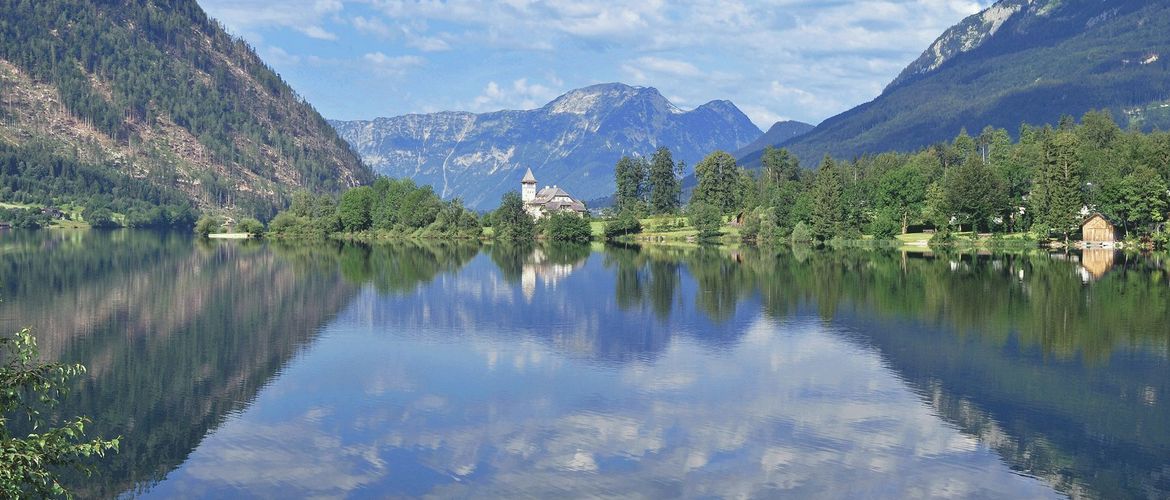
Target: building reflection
<point>1095,262</point>
<point>539,267</point>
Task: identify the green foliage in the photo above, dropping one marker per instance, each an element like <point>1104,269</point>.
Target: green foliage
<point>707,218</point>
<point>828,210</point>
<point>974,194</point>
<point>512,222</point>
<point>632,187</point>
<point>750,231</point>
<point>719,180</point>
<point>28,389</point>
<point>355,208</point>
<point>35,173</point>
<point>778,166</point>
<point>207,224</point>
<point>664,183</point>
<point>802,233</point>
<point>886,225</point>
<point>251,226</point>
<point>24,218</point>
<point>1056,193</point>
<point>388,208</point>
<point>625,223</point>
<point>566,226</point>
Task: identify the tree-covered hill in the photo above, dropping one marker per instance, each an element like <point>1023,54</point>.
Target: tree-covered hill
<point>133,104</point>
<point>1020,61</point>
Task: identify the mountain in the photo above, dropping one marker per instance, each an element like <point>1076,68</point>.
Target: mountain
<point>573,141</point>
<point>780,132</point>
<point>1019,61</point>
<point>135,104</point>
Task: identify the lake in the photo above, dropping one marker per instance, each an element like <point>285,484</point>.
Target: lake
<point>249,369</point>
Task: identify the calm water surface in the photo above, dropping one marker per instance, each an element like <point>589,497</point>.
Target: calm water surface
<point>244,369</point>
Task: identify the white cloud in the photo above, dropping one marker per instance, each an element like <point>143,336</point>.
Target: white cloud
<point>520,95</point>
<point>372,26</point>
<point>667,66</point>
<point>838,53</point>
<point>393,65</point>
<point>280,57</point>
<point>426,43</point>
<point>317,32</point>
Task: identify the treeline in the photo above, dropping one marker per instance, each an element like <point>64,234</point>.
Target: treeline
<point>388,208</point>
<point>35,174</point>
<point>1041,183</point>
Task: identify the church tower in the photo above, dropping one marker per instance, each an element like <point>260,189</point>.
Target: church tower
<point>528,187</point>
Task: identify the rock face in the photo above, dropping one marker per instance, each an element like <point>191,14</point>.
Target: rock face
<point>573,141</point>
<point>154,96</point>
<point>1019,61</point>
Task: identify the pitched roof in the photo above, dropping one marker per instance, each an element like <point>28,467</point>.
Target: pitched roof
<point>548,199</point>
<point>528,178</point>
<point>1102,216</point>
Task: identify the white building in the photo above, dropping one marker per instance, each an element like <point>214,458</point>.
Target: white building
<point>547,201</point>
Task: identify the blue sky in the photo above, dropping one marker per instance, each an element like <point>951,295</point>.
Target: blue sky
<point>782,59</point>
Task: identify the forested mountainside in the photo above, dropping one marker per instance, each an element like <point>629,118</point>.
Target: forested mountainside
<point>778,133</point>
<point>148,108</point>
<point>573,141</point>
<point>1019,61</point>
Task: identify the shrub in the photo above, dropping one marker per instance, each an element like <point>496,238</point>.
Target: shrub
<point>944,236</point>
<point>751,226</point>
<point>565,226</point>
<point>204,226</point>
<point>885,225</point>
<point>100,217</point>
<point>801,233</point>
<point>706,218</point>
<point>250,226</point>
<point>626,223</point>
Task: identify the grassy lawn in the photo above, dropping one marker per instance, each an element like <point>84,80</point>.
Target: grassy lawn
<point>69,224</point>
<point>4,204</point>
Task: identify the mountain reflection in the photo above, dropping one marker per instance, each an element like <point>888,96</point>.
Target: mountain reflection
<point>1060,375</point>
<point>415,368</point>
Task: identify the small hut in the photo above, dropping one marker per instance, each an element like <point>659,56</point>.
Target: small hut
<point>1099,230</point>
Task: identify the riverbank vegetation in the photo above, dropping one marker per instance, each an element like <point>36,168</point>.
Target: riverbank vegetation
<point>388,209</point>
<point>983,190</point>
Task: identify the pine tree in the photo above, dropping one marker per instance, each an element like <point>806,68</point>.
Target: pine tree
<point>1057,198</point>
<point>828,214</point>
<point>664,182</point>
<point>630,180</point>
<point>718,177</point>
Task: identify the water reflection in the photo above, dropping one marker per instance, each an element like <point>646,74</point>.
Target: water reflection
<point>669,372</point>
<point>446,369</point>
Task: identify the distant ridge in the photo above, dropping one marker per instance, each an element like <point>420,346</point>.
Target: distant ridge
<point>573,141</point>
<point>779,133</point>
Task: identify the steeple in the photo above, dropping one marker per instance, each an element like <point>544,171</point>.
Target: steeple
<point>528,187</point>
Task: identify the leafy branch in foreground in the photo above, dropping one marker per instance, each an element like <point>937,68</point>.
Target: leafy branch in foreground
<point>27,387</point>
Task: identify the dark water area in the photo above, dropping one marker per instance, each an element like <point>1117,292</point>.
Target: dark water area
<point>245,369</point>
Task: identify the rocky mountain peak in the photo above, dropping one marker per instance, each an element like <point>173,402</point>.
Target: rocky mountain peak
<point>966,36</point>
<point>588,100</point>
